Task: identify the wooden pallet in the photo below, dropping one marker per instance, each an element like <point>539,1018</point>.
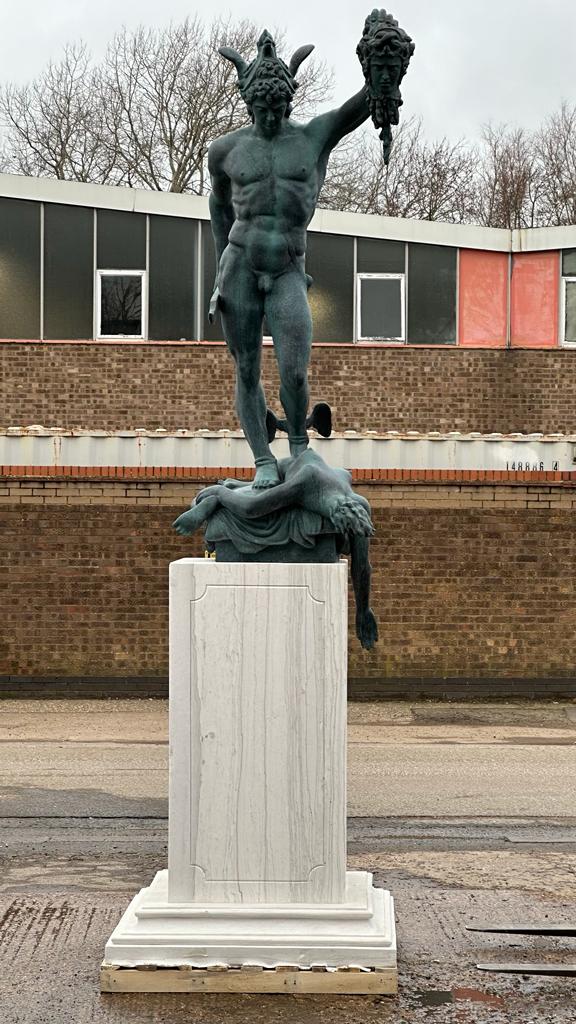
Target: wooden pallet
<point>346,980</point>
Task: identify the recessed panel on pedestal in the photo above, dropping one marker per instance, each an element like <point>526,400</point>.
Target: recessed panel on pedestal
<point>257,811</point>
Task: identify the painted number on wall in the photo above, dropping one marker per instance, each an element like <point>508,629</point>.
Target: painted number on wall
<point>530,467</point>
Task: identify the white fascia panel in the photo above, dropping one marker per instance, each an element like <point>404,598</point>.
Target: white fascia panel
<point>544,239</point>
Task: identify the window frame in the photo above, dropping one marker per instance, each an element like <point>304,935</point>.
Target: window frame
<point>143,275</point>
<point>360,340</point>
<point>571,279</point>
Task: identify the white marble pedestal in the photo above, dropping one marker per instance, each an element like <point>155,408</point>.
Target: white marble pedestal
<point>257,833</point>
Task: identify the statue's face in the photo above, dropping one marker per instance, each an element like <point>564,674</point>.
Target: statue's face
<point>268,117</point>
<point>385,74</point>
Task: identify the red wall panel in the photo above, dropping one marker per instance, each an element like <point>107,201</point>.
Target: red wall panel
<point>483,298</point>
<point>534,299</point>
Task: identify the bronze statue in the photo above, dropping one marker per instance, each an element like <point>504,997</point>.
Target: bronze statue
<point>266,180</point>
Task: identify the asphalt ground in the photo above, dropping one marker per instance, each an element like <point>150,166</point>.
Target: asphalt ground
<point>466,812</point>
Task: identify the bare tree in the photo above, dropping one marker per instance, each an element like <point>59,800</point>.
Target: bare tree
<point>556,154</point>
<point>425,180</point>
<point>510,180</point>
<point>172,95</point>
<point>146,115</point>
<point>55,124</point>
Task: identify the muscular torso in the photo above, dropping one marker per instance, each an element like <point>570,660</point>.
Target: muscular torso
<point>274,188</point>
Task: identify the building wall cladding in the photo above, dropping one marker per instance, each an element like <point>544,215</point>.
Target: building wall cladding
<point>101,386</point>
<point>469,581</point>
<point>64,273</point>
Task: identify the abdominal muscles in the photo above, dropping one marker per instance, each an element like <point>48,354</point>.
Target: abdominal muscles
<point>271,222</point>
<point>268,249</point>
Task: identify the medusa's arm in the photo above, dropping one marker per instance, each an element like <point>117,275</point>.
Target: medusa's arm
<point>366,625</point>
<point>252,504</point>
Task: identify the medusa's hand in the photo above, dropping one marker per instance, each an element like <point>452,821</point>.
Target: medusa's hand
<point>367,629</point>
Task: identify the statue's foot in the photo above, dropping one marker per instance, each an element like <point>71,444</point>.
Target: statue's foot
<point>267,475</point>
<point>189,521</point>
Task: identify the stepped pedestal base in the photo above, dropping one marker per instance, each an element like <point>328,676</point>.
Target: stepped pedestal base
<point>359,932</point>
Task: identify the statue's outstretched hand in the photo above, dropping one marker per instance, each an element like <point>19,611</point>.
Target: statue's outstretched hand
<point>367,629</point>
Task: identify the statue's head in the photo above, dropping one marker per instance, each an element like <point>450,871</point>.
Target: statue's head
<point>384,51</point>
<point>267,85</point>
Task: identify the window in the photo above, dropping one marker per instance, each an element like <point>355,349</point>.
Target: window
<point>569,262</point>
<point>381,307</point>
<point>569,311</point>
<point>121,304</point>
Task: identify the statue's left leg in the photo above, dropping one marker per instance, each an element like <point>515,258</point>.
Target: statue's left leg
<point>288,314</point>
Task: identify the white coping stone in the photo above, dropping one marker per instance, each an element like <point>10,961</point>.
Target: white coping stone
<point>257,832</point>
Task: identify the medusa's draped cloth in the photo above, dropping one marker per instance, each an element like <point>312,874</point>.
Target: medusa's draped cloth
<point>292,525</point>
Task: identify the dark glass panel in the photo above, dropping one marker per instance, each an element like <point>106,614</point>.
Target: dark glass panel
<point>381,308</point>
<point>330,261</point>
<point>211,332</point>
<point>68,271</point>
<point>431,294</point>
<point>19,269</point>
<point>380,256</point>
<point>570,313</point>
<point>569,263</point>
<point>121,240</point>
<point>172,278</point>
<point>121,304</point>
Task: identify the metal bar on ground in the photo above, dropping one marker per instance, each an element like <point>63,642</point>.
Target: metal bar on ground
<point>565,931</point>
<point>556,970</point>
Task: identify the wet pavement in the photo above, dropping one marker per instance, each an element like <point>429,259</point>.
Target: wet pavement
<point>466,812</point>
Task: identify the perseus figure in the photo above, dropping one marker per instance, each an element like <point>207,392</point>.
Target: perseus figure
<point>266,179</point>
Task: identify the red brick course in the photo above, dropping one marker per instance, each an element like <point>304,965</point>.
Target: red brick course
<point>201,474</point>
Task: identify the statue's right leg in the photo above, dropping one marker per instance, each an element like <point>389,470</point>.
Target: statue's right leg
<point>242,311</point>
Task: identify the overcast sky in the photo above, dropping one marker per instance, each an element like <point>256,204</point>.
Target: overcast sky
<point>513,61</point>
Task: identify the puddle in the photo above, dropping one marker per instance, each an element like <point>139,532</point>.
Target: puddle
<point>474,995</point>
<point>433,998</point>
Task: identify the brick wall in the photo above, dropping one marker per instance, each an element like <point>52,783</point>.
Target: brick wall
<point>470,581</point>
<point>122,386</point>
